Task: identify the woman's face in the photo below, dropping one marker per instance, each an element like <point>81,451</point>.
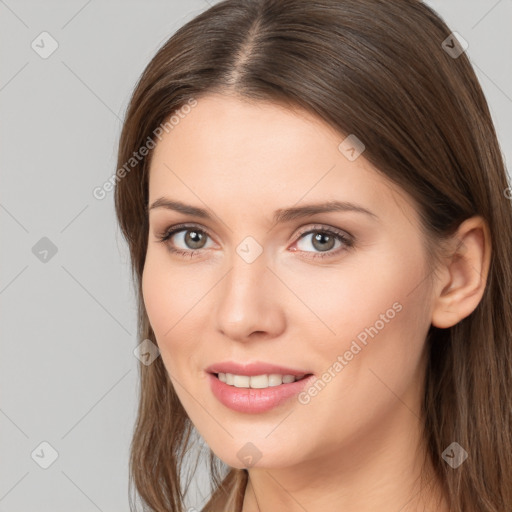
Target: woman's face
<point>352,310</point>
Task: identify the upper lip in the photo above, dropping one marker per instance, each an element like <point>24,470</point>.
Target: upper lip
<point>255,368</point>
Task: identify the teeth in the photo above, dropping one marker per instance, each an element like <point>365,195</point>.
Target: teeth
<point>257,381</point>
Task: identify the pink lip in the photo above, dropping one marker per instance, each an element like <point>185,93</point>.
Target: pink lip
<point>256,368</point>
<point>249,400</point>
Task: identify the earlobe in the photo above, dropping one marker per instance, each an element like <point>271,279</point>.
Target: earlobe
<point>464,275</point>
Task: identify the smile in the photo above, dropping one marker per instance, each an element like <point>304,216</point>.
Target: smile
<point>257,381</point>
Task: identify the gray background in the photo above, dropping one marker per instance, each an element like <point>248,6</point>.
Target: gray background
<point>68,375</point>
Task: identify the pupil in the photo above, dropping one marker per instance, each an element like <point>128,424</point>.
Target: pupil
<point>323,238</point>
<point>193,238</point>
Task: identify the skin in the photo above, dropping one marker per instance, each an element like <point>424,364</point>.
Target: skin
<point>357,445</point>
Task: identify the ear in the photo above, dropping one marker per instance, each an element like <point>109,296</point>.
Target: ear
<point>463,276</point>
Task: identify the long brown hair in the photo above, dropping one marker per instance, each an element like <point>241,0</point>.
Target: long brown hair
<point>382,70</point>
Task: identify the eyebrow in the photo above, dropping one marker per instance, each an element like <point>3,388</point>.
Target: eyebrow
<point>281,215</point>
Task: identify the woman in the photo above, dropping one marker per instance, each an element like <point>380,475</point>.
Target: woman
<point>315,204</point>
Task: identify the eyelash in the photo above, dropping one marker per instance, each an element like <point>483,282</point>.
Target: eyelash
<point>167,234</point>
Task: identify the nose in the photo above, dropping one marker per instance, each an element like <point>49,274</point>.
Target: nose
<point>249,301</point>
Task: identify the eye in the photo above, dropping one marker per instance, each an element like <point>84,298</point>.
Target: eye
<point>323,239</point>
<point>190,237</point>
<point>193,239</point>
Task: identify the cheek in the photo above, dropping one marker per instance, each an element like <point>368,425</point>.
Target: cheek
<point>382,334</point>
<point>348,299</point>
<point>157,302</point>
<point>172,298</point>
<point>376,309</point>
<point>372,360</point>
<point>168,293</point>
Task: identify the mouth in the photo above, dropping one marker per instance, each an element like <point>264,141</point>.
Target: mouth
<point>257,393</point>
<point>262,381</point>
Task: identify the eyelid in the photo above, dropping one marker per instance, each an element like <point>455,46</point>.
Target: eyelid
<point>314,227</point>
<point>324,227</point>
<point>176,228</point>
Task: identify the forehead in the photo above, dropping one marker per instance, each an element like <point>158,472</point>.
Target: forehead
<point>258,155</point>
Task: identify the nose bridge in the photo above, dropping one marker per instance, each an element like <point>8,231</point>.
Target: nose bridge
<point>247,299</point>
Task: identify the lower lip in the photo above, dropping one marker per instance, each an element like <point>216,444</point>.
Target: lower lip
<point>253,400</point>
